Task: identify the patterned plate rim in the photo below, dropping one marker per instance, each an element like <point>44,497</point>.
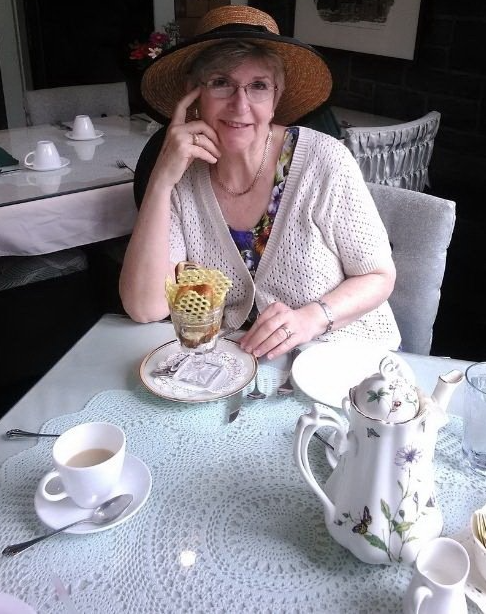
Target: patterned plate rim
<point>209,396</point>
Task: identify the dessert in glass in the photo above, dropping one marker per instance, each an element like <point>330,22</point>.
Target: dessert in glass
<point>196,303</point>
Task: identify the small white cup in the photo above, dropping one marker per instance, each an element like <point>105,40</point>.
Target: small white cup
<point>89,460</point>
<point>45,157</point>
<point>83,127</point>
<point>438,584</point>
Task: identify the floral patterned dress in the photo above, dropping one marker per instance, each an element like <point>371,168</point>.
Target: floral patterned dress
<point>251,243</point>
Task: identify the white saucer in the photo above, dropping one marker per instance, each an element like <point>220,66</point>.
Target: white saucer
<point>64,162</point>
<point>136,479</point>
<point>326,371</point>
<point>13,605</point>
<point>98,133</point>
<point>242,368</point>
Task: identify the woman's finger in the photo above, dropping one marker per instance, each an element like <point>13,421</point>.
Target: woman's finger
<point>180,111</point>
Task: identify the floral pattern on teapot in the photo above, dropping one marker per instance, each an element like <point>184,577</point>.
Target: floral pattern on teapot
<point>398,521</point>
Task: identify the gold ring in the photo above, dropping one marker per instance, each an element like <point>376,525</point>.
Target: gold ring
<point>288,332</point>
<point>195,139</point>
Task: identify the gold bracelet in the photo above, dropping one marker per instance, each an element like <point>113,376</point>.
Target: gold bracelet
<point>328,313</point>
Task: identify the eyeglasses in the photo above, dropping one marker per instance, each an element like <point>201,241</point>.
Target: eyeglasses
<point>257,91</point>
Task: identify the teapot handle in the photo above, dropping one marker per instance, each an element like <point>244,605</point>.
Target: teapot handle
<point>307,425</point>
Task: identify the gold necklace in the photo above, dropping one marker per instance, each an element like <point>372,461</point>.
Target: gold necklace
<point>268,142</point>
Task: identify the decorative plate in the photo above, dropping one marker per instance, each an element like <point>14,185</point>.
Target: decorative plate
<point>239,369</point>
<point>327,371</point>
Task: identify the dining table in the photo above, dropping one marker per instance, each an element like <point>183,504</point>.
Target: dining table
<point>89,199</point>
<point>225,522</point>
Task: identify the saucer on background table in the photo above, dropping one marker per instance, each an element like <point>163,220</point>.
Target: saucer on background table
<point>64,162</point>
<point>326,371</point>
<point>136,479</point>
<point>98,134</point>
<point>241,367</point>
<point>13,605</point>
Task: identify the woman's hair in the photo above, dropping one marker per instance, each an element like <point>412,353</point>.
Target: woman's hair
<point>226,56</point>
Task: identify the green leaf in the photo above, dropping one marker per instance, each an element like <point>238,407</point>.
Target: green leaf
<point>376,542</point>
<point>402,527</point>
<point>385,508</point>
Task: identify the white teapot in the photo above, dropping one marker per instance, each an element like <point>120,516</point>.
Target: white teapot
<point>379,501</point>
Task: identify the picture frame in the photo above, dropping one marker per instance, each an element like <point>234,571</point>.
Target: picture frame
<point>380,27</point>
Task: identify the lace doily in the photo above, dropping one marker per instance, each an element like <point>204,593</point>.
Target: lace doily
<point>227,498</point>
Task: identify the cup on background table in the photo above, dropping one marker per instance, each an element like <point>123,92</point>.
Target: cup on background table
<point>438,584</point>
<point>83,127</point>
<point>45,156</point>
<point>474,438</point>
<point>89,460</point>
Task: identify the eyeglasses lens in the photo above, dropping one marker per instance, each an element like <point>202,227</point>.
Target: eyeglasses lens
<point>258,91</point>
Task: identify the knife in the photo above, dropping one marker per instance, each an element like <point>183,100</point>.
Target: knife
<point>235,406</point>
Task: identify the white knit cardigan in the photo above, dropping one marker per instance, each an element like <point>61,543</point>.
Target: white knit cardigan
<point>326,229</point>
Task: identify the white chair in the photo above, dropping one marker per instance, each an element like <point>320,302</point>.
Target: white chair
<point>396,155</point>
<point>419,228</point>
<point>64,103</point>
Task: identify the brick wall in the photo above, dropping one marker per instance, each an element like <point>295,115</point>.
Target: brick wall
<point>448,74</point>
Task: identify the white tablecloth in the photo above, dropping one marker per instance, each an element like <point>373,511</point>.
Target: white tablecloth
<point>51,224</point>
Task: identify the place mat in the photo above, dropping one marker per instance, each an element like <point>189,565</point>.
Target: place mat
<point>227,497</point>
<point>6,159</point>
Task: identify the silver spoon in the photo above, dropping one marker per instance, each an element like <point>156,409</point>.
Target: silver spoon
<point>103,514</point>
<point>287,388</point>
<point>256,393</point>
<point>19,433</point>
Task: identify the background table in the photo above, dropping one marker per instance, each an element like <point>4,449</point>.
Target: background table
<point>87,201</point>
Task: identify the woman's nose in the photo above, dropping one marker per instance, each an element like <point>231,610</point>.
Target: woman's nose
<point>239,100</point>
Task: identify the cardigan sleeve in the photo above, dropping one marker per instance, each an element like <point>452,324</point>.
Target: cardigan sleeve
<point>349,220</point>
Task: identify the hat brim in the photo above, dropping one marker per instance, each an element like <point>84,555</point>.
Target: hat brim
<point>308,81</point>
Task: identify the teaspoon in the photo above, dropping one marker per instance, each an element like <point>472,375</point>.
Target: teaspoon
<point>103,514</point>
<point>19,433</point>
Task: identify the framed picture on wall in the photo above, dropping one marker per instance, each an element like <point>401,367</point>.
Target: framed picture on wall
<point>380,27</point>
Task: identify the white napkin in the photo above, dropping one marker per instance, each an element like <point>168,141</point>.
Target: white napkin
<point>211,376</point>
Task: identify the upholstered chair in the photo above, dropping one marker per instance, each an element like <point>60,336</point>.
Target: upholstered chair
<point>61,104</point>
<point>397,155</point>
<point>420,228</point>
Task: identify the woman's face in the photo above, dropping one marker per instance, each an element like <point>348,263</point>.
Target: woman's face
<point>239,122</point>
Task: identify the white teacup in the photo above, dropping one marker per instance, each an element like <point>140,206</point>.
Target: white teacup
<point>83,127</point>
<point>45,157</point>
<point>89,460</point>
<point>437,587</point>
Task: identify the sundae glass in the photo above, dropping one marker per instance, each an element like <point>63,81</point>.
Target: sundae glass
<point>196,302</point>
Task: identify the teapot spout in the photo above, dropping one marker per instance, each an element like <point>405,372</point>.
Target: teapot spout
<point>445,387</point>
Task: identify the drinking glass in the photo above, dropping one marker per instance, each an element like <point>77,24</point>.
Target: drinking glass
<point>474,439</point>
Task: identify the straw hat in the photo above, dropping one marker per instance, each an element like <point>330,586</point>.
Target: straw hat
<point>308,81</point>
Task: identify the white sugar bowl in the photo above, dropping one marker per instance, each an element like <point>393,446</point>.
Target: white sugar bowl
<point>388,395</point>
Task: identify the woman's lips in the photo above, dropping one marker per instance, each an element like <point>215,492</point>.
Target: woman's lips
<point>238,125</point>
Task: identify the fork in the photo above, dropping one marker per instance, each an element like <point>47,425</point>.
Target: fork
<point>256,393</point>
<point>122,164</point>
<point>287,388</point>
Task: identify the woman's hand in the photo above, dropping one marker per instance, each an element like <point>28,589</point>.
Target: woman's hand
<point>279,328</point>
<point>185,141</point>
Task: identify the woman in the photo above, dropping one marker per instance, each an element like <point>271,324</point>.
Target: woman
<point>284,212</point>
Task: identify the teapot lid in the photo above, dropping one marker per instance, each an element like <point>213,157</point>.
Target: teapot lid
<point>388,395</point>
